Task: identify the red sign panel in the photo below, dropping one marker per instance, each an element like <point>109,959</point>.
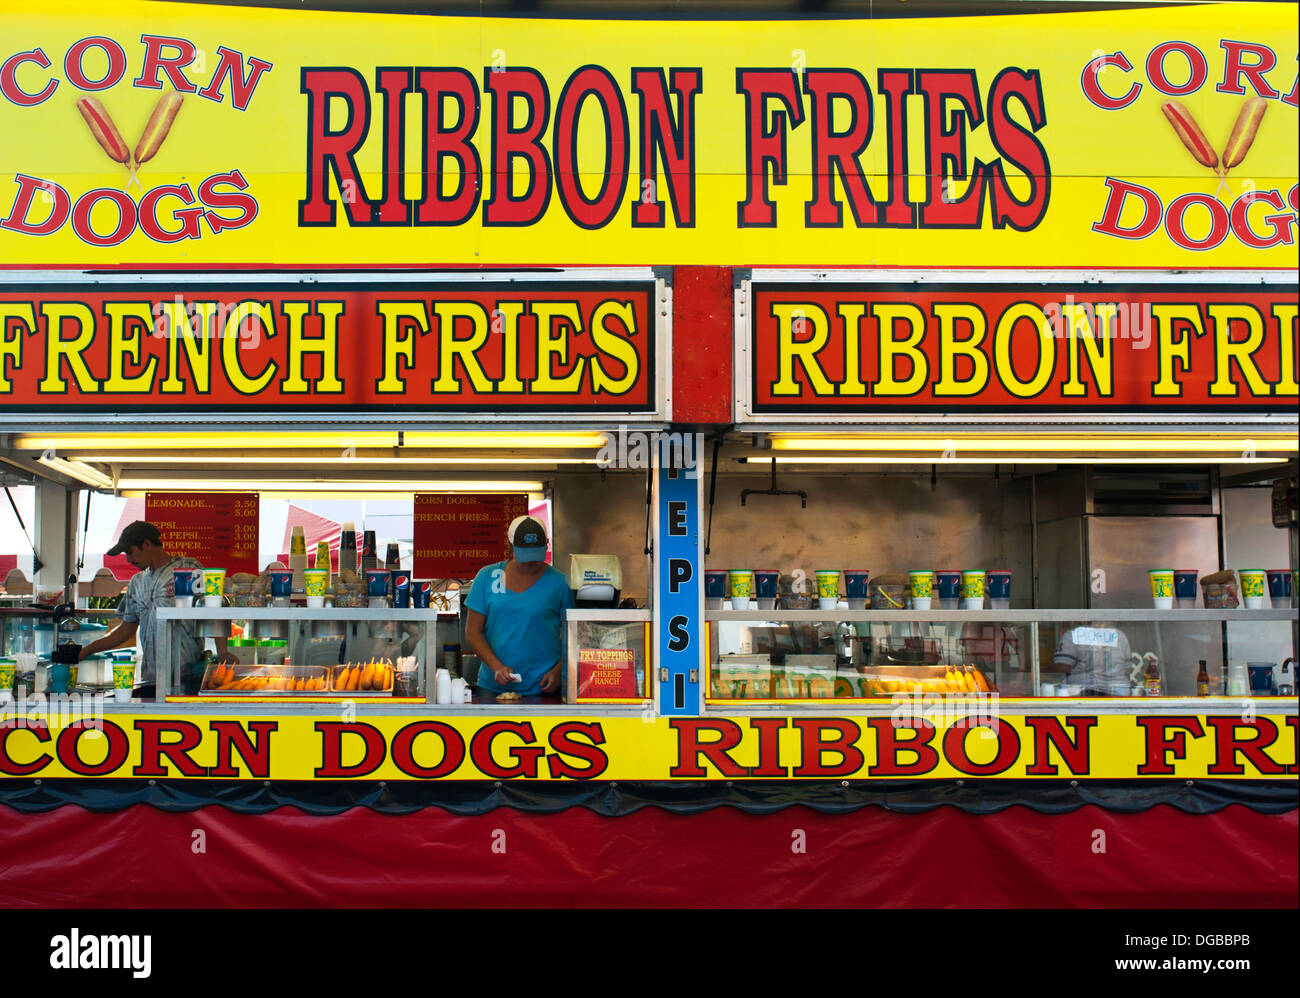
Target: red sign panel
<point>218,529</point>
<point>456,535</point>
<point>506,347</point>
<point>865,348</point>
<point>607,673</point>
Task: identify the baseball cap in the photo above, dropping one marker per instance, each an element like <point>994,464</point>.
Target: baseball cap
<point>136,533</point>
<point>528,537</point>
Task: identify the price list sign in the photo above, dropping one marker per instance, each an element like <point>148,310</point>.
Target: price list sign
<point>217,529</point>
<point>456,535</point>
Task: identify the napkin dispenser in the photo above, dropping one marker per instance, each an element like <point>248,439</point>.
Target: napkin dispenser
<point>596,580</point>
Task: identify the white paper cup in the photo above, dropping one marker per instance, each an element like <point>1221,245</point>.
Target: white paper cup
<point>1162,602</point>
<point>741,603</point>
<point>713,602</point>
<point>184,601</point>
<point>212,601</point>
<point>766,602</point>
<point>1049,689</point>
<point>1255,602</point>
<point>972,603</point>
<point>378,602</point>
<point>315,602</point>
<point>921,602</point>
<point>827,602</point>
<point>1000,602</point>
<point>123,696</point>
<point>1185,602</point>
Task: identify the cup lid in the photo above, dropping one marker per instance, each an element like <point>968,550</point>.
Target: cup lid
<point>999,571</point>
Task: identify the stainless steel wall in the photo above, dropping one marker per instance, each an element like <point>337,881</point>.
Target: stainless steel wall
<point>603,517</point>
<point>882,524</point>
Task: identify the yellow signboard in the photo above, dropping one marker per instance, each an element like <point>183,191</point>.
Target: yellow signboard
<point>177,135</point>
<point>921,741</point>
<point>200,135</point>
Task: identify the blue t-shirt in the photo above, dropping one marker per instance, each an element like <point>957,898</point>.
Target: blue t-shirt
<point>526,630</point>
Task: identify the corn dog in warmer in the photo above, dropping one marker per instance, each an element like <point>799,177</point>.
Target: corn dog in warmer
<point>1243,132</point>
<point>105,132</point>
<point>1190,133</point>
<point>160,123</point>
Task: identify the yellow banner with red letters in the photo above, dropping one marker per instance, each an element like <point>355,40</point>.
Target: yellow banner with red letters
<point>919,738</point>
<point>175,135</point>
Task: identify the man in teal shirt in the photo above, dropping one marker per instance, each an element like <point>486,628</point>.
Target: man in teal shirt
<point>516,613</point>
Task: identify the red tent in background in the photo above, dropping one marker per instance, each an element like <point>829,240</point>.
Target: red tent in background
<point>317,529</point>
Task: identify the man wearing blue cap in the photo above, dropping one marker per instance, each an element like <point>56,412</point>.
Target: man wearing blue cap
<point>516,613</point>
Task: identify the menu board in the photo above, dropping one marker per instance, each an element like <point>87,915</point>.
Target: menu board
<point>217,529</point>
<point>606,673</point>
<point>456,535</point>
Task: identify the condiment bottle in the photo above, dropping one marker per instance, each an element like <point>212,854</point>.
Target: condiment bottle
<point>1153,676</point>
<point>1203,681</point>
<point>442,686</point>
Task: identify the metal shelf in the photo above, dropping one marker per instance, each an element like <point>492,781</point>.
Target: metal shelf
<point>299,613</point>
<point>610,616</point>
<point>998,616</point>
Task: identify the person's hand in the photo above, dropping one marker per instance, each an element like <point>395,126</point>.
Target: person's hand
<point>81,653</point>
<point>503,675</point>
<point>551,680</point>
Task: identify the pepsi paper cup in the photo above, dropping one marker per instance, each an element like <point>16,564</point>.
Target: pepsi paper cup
<point>281,583</point>
<point>855,587</point>
<point>377,582</point>
<point>421,594</point>
<point>401,589</point>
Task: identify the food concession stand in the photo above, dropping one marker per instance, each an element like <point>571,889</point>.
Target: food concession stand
<point>1000,358</point>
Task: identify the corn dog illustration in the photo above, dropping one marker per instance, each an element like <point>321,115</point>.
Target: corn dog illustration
<point>110,140</point>
<point>105,132</point>
<point>1189,132</point>
<point>159,124</point>
<point>1244,130</point>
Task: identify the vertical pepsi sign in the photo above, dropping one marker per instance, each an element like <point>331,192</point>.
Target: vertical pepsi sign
<point>678,596</point>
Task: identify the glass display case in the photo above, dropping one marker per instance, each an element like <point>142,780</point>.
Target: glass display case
<point>31,630</point>
<point>294,653</point>
<point>608,652</point>
<point>807,656</point>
